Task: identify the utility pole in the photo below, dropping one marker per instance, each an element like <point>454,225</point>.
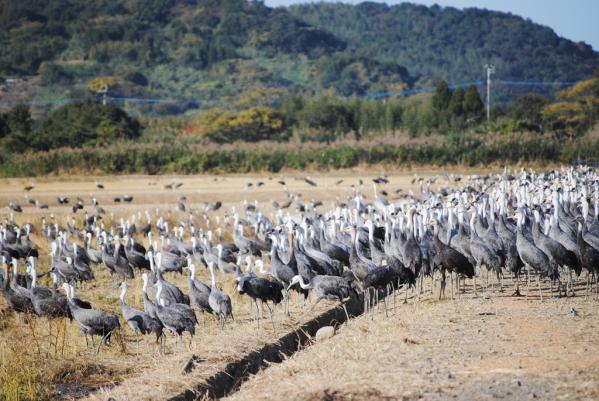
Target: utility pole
<point>490,70</point>
<point>104,92</point>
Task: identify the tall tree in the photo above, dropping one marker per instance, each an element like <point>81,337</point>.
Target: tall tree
<point>442,96</point>
<point>527,112</point>
<point>456,104</point>
<point>18,119</point>
<point>473,105</point>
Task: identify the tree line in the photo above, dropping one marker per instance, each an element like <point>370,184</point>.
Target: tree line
<point>301,118</point>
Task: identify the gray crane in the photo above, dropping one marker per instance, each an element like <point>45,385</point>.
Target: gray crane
<point>176,317</point>
<point>46,302</point>
<point>218,300</point>
<point>92,322</point>
<point>198,292</point>
<point>140,322</point>
<point>327,287</point>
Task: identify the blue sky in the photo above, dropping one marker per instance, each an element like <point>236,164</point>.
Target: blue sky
<point>573,19</point>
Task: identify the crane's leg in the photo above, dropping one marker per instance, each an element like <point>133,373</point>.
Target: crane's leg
<point>374,302</point>
<point>527,281</point>
<point>385,301</point>
<point>451,279</point>
<point>345,309</point>
<point>474,279</point>
<point>257,312</point>
<point>517,284</point>
<point>569,283</point>
<point>316,303</point>
<point>271,311</point>
<point>539,283</point>
<point>442,283</point>
<point>286,302</point>
<point>586,295</point>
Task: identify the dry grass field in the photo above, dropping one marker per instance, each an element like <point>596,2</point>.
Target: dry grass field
<point>494,347</point>
<point>40,359</point>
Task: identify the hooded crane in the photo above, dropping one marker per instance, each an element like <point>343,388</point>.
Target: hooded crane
<point>176,317</point>
<point>47,302</point>
<point>449,259</point>
<point>533,257</point>
<point>198,292</point>
<point>259,288</point>
<point>283,272</point>
<point>218,300</point>
<point>115,262</point>
<point>327,287</point>
<point>171,293</point>
<point>140,322</point>
<point>92,322</point>
<point>17,297</point>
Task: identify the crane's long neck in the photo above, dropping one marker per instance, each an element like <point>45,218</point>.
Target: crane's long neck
<point>33,276</point>
<point>303,284</point>
<point>159,301</point>
<point>213,277</point>
<point>151,257</point>
<point>122,296</point>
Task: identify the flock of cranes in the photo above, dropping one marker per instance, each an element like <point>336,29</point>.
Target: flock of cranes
<point>499,225</point>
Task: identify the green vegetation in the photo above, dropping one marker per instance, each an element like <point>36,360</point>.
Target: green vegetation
<point>323,132</point>
<point>296,80</point>
<point>469,150</point>
<point>73,125</point>
<point>447,43</point>
<point>200,49</point>
<point>216,52</point>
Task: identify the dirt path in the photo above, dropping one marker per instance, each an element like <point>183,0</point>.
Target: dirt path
<point>468,349</point>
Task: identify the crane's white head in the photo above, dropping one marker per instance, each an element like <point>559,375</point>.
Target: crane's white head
<point>67,290</point>
<point>296,279</point>
<point>260,266</point>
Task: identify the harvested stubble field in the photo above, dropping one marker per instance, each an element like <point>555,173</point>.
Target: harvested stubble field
<point>490,347</point>
<point>42,360</point>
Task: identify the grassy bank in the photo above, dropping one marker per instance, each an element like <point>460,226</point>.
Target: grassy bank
<point>127,158</point>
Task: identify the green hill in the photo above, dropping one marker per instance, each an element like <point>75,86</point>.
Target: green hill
<point>447,43</point>
<point>207,50</point>
<point>236,53</point>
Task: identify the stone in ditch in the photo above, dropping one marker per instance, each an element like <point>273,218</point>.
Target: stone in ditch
<point>324,332</point>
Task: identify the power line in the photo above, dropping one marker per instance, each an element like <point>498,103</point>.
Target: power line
<point>375,95</point>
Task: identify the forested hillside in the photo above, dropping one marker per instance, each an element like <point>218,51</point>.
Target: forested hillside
<point>451,44</point>
<point>237,54</point>
<point>206,50</point>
